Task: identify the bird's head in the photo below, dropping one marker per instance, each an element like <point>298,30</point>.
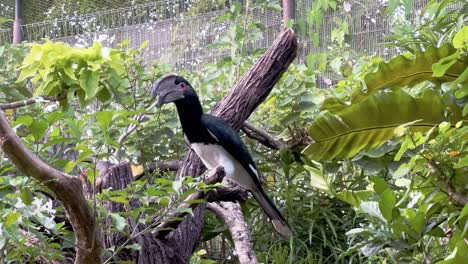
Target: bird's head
<point>171,88</point>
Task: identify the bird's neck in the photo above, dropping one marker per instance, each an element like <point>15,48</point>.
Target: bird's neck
<point>190,113</point>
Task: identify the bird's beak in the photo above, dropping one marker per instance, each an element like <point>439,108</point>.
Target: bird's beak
<point>166,93</point>
<point>169,97</point>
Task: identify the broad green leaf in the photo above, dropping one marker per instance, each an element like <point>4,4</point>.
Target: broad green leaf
<point>441,67</point>
<point>372,208</point>
<point>105,119</point>
<point>379,184</point>
<point>417,69</point>
<point>387,203</point>
<point>460,40</point>
<point>119,199</point>
<point>70,166</point>
<point>11,218</point>
<point>120,222</point>
<point>418,222</point>
<point>29,71</point>
<point>371,123</point>
<point>353,197</point>
<point>462,163</point>
<point>459,254</point>
<point>89,82</point>
<point>38,128</point>
<point>26,196</point>
<point>317,179</point>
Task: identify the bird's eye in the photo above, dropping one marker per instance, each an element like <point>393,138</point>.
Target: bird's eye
<point>183,85</point>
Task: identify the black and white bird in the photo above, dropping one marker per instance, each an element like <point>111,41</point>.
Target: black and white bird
<point>216,143</point>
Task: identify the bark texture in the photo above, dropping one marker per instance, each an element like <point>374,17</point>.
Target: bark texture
<point>231,214</point>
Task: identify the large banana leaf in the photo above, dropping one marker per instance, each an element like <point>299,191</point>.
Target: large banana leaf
<point>371,123</point>
<point>403,71</point>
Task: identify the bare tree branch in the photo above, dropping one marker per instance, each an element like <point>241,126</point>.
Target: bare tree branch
<point>68,190</point>
<point>231,214</point>
<point>138,118</point>
<point>459,198</point>
<point>30,101</point>
<point>262,136</point>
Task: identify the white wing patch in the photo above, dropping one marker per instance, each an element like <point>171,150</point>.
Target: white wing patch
<point>213,155</point>
<point>255,171</point>
<point>217,140</point>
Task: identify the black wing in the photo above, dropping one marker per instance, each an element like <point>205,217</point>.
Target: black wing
<point>228,138</point>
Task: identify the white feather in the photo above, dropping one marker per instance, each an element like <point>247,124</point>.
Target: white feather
<point>213,155</point>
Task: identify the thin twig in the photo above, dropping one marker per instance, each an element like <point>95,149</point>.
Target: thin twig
<point>30,101</point>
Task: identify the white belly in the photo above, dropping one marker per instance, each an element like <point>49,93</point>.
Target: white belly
<point>214,155</point>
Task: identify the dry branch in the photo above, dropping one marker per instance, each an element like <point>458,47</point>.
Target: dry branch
<point>30,101</point>
<point>234,219</point>
<point>262,136</point>
<point>66,188</point>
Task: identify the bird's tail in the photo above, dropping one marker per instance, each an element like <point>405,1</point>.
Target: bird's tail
<point>272,212</point>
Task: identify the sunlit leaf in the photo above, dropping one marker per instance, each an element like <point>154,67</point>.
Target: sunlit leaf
<point>343,135</point>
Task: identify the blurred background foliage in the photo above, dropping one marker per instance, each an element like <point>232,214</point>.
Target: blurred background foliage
<point>369,168</point>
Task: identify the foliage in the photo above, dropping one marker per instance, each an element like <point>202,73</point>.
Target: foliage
<point>384,181</point>
<point>405,176</point>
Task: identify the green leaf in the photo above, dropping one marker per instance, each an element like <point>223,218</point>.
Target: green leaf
<point>38,128</point>
<point>372,208</point>
<point>459,254</point>
<point>462,163</point>
<point>418,222</point>
<point>70,166</point>
<point>417,69</point>
<point>441,67</point>
<point>119,199</point>
<point>26,196</point>
<point>317,179</point>
<point>353,197</point>
<point>120,222</point>
<point>89,81</point>
<point>11,218</point>
<point>379,184</point>
<point>460,40</point>
<point>387,203</point>
<point>105,119</point>
<point>372,122</point>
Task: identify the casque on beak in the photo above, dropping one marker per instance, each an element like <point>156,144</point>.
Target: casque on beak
<point>167,90</point>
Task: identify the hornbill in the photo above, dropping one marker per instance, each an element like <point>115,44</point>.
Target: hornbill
<point>216,143</point>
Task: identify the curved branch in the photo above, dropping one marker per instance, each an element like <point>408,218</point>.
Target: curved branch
<point>67,189</point>
<point>262,136</point>
<point>30,101</point>
<point>231,214</point>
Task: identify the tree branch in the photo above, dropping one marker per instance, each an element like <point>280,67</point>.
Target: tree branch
<point>262,136</point>
<point>30,101</point>
<point>459,198</point>
<point>231,214</point>
<point>68,190</point>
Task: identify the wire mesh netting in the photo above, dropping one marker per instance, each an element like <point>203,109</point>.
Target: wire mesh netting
<point>179,31</point>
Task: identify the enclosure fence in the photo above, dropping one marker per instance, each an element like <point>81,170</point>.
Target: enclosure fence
<point>179,32</point>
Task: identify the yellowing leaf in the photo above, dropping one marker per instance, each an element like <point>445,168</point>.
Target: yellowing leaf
<point>137,170</point>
